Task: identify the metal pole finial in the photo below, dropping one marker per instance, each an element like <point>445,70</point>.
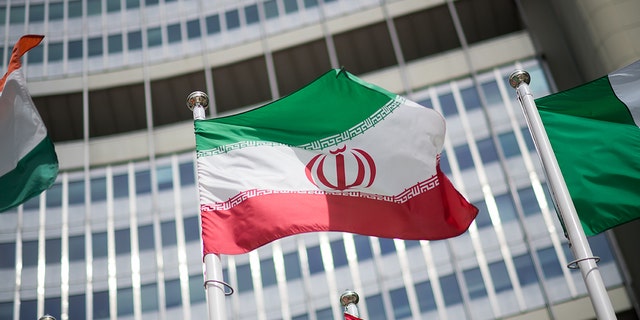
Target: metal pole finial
<point>47,317</point>
<point>349,299</point>
<point>519,76</point>
<point>197,102</point>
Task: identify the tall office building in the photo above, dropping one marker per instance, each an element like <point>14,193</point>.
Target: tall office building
<point>117,235</point>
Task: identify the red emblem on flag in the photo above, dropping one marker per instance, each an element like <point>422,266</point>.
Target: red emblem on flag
<point>342,169</point>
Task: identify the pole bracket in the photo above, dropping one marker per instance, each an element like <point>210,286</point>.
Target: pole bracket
<point>574,264</point>
<point>226,285</point>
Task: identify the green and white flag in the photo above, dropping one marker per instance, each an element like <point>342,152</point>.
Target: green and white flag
<point>595,134</point>
<point>28,162</point>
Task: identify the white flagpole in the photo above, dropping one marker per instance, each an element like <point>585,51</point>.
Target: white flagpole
<point>584,258</point>
<point>214,285</point>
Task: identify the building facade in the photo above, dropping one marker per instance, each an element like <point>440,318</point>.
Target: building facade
<point>117,236</point>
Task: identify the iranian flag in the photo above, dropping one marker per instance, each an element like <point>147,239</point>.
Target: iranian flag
<point>339,154</point>
<point>595,135</point>
<point>28,162</point>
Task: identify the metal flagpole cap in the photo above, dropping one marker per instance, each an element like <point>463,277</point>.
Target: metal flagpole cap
<point>349,297</point>
<point>519,76</point>
<point>47,317</point>
<point>197,98</point>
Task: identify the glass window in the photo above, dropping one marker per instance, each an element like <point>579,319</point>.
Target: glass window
<point>450,290</point>
<point>463,155</point>
<point>549,262</point>
<point>133,4</point>
<point>3,14</point>
<point>94,7</point>
<point>268,272</point>
<point>298,317</point>
<point>174,33</point>
<point>600,247</point>
<point>6,310</point>
<point>191,229</point>
<point>120,186</point>
<point>470,98</point>
<point>99,244</point>
<point>75,9</point>
<point>363,247</point>
<point>17,14</point>
<point>475,283</point>
<point>35,55</point>
<point>426,103</point>
<point>8,254</point>
<point>173,295</point>
<point>145,237</point>
<point>168,233</point>
<point>411,243</point>
<point>387,246</point>
<point>233,19</point>
<point>31,204</point>
<point>400,303</point>
<point>325,313</point>
<point>424,293</point>
<point>123,241</point>
<point>487,150</point>
<point>77,306</point>
<point>315,260</point>
<point>339,253</point>
<point>56,11</point>
<point>101,304</point>
<point>98,189</point>
<point>143,182</point>
<point>213,24</point>
<point>448,104</point>
<point>187,174</point>
<point>196,288</point>
<point>53,305</point>
<point>54,195</point>
<point>500,276</point>
<point>193,29</point>
<point>509,144</point>
<point>243,273</point>
<point>290,6</point>
<point>165,177</point>
<point>292,265</point>
<point>445,167</point>
<point>28,309</point>
<point>528,201</point>
<point>113,5</point>
<point>149,297</point>
<point>150,2</point>
<point>310,3</point>
<point>251,13</point>
<point>125,301</point>
<point>76,192</point>
<point>36,13</point>
<point>30,253</point>
<point>525,269</point>
<point>75,49</point>
<point>528,139</point>
<point>53,250</point>
<point>95,47</point>
<point>154,37</point>
<point>375,307</point>
<point>270,9</point>
<point>76,248</point>
<point>483,219</point>
<point>134,40</point>
<point>491,93</point>
<point>506,208</point>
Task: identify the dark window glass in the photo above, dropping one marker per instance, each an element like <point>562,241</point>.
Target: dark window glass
<point>213,24</point>
<point>32,204</point>
<point>17,14</point>
<point>387,246</point>
<point>491,93</point>
<point>268,272</point>
<point>173,296</point>
<point>506,208</point>
<point>53,305</point>
<point>487,19</point>
<point>509,144</point>
<point>187,174</point>
<point>310,3</point>
<point>8,254</point>
<point>154,37</point>
<point>76,248</point>
<point>290,6</point>
<point>475,283</point>
<point>94,7</point>
<point>123,241</point>
<point>76,192</point>
<point>300,64</point>
<point>98,189</point>
<point>365,49</point>
<point>143,182</point>
<point>241,84</point>
<point>251,13</point>
<point>325,313</point>
<point>196,289</point>
<point>600,247</point>
<point>233,19</point>
<point>164,177</point>
<point>528,200</point>
<point>375,307</point>
<point>193,29</point>
<point>56,11</point>
<point>527,138</point>
<point>150,2</point>
<point>125,301</point>
<point>53,250</point>
<point>6,310</point>
<point>174,33</point>
<point>75,9</point>
<point>363,247</point>
<point>549,262</point>
<point>115,43</point>
<point>315,260</point>
<point>400,303</point>
<point>77,306</point>
<point>339,253</point>
<point>35,55</point>
<point>168,233</point>
<point>525,269</point>
<point>482,219</point>
<point>28,309</point>
<point>30,253</point>
<point>448,104</point>
<point>36,13</point>
<point>75,49</point>
<point>426,103</point>
<point>149,297</point>
<point>243,273</point>
<point>444,163</point>
<point>54,195</point>
<point>133,4</point>
<point>450,290</point>
<point>470,98</point>
<point>99,243</point>
<point>95,47</point>
<point>134,40</point>
<point>301,317</point>
<point>120,186</point>
<point>487,150</point>
<point>113,5</point>
<point>424,293</point>
<point>500,276</point>
<point>101,304</point>
<point>292,265</point>
<point>145,237</point>
<point>191,229</point>
<point>463,155</point>
<point>411,243</point>
<point>270,9</point>
<point>55,52</point>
